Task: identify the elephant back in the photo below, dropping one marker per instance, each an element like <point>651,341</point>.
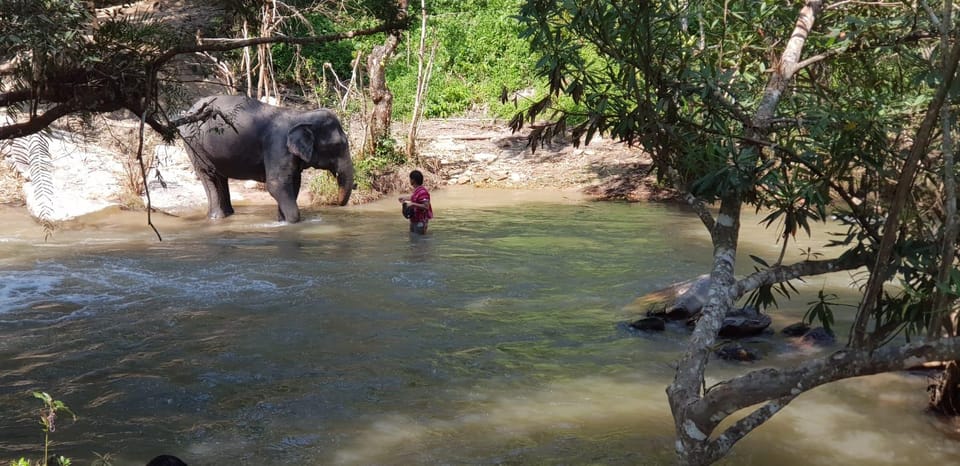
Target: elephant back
<point>230,143</point>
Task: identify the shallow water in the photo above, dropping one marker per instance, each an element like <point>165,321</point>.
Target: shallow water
<point>495,339</point>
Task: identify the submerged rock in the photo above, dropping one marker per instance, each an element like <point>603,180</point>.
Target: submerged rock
<point>691,301</point>
<point>744,322</point>
<point>819,337</point>
<point>663,301</point>
<point>688,299</point>
<point>737,352</point>
<point>649,323</point>
<point>796,330</point>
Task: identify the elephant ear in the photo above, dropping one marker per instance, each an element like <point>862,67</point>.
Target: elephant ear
<point>300,142</point>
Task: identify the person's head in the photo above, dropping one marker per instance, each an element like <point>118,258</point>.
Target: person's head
<point>166,460</point>
<point>416,178</point>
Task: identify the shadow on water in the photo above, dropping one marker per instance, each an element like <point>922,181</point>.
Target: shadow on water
<point>494,339</point>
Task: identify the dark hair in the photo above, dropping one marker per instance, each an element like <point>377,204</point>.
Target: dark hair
<point>416,177</point>
<point>166,460</point>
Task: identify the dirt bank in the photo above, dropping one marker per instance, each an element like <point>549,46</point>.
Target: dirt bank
<point>485,153</point>
<point>480,153</point>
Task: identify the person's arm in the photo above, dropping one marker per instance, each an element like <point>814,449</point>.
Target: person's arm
<point>424,205</point>
<point>420,205</point>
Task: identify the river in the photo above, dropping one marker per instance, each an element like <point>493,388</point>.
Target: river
<point>498,338</point>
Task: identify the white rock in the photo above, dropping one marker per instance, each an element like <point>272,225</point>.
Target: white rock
<point>84,179</point>
<point>448,145</point>
<point>484,157</point>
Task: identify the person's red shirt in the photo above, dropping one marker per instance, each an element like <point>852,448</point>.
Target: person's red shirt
<point>420,196</point>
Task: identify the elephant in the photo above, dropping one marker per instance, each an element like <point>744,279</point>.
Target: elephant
<point>250,140</point>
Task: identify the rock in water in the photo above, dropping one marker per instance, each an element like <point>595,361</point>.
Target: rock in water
<point>744,322</point>
<point>649,323</point>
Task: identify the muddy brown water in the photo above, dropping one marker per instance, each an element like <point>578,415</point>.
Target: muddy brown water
<point>496,339</point>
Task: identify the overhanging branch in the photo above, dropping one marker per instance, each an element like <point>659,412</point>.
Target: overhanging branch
<point>771,384</point>
<point>80,89</point>
<point>719,447</point>
<point>223,45</point>
<point>36,124</point>
<point>782,274</point>
<point>15,97</point>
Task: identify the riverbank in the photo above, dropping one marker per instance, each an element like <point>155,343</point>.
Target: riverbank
<point>99,171</point>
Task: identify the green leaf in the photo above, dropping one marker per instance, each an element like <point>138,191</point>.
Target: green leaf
<point>760,261</point>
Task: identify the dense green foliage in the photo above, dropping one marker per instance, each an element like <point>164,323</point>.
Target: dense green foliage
<point>686,85</point>
<point>480,52</point>
<point>338,54</point>
<point>743,104</point>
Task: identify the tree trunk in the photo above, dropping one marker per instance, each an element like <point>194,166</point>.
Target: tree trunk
<point>686,392</point>
<point>945,391</point>
<point>379,127</point>
<point>879,274</point>
<point>421,84</point>
<point>699,410</point>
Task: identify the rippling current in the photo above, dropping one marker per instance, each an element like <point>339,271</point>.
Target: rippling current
<point>343,340</point>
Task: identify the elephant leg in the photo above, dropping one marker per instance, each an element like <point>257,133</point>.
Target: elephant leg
<point>218,195</point>
<point>285,192</point>
<point>223,190</point>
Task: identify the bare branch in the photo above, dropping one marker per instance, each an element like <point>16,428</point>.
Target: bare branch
<point>223,45</point>
<point>15,97</point>
<point>721,446</point>
<point>203,113</point>
<point>701,209</point>
<point>36,124</point>
<point>782,274</point>
<point>771,384</point>
<point>836,5</point>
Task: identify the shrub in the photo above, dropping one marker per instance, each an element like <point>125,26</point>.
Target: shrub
<point>470,70</point>
<point>368,174</point>
<point>48,419</point>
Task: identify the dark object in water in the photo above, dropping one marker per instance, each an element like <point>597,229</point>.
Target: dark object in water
<point>166,460</point>
<point>737,352</point>
<point>819,336</point>
<point>649,323</point>
<point>407,210</point>
<point>796,330</point>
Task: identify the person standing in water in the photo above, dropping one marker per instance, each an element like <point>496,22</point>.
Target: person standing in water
<point>420,201</point>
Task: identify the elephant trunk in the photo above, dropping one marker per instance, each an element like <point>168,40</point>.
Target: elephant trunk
<point>345,181</point>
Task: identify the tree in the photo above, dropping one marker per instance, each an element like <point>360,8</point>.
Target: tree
<point>380,117</point>
<point>56,60</point>
<point>843,116</point>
